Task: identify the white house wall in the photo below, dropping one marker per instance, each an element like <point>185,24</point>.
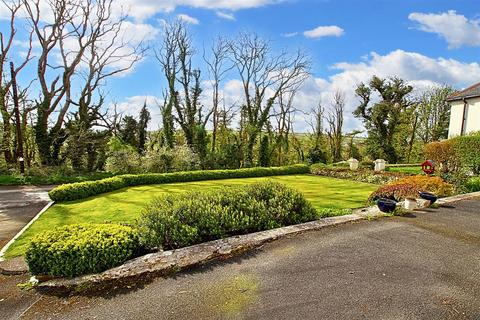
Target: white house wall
<point>472,116</point>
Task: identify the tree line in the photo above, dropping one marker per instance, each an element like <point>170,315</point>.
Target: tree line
<point>76,46</point>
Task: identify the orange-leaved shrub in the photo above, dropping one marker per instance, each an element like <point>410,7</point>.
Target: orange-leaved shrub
<point>444,155</point>
<point>431,184</point>
<point>397,192</point>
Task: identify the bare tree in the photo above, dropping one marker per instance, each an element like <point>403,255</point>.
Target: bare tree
<point>264,76</point>
<point>317,114</point>
<point>102,60</point>
<point>217,68</point>
<point>183,93</point>
<point>334,118</point>
<point>76,29</point>
<point>6,41</point>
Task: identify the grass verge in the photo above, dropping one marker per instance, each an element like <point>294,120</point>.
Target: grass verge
<point>125,205</point>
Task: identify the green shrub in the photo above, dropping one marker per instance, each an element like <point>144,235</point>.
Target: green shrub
<point>125,160</point>
<point>179,220</point>
<point>81,249</point>
<point>75,191</point>
<point>467,151</point>
<point>473,184</point>
<point>459,153</point>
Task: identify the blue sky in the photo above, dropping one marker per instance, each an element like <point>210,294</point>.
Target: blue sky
<point>424,41</point>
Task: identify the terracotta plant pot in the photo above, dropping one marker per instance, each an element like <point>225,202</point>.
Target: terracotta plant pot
<point>386,205</point>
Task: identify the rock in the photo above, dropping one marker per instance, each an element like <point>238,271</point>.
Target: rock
<point>13,266</point>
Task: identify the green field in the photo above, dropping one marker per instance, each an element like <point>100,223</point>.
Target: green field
<point>125,205</point>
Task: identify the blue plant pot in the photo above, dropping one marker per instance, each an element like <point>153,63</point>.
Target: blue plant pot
<point>386,205</point>
<point>428,196</point>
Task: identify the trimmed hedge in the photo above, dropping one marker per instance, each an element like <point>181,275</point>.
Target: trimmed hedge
<point>82,190</point>
<point>179,220</point>
<point>458,153</point>
<point>81,249</point>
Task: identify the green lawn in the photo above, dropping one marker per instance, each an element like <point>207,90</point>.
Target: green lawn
<point>408,170</point>
<point>125,205</point>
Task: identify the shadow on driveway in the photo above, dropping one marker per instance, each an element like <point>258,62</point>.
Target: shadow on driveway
<point>422,266</point>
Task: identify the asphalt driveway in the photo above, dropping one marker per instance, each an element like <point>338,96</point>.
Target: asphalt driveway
<point>18,205</point>
<point>422,266</point>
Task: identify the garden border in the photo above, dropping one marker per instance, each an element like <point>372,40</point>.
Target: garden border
<point>166,262</point>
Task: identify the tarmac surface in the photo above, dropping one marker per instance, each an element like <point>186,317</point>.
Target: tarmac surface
<point>424,265</point>
<point>18,205</point>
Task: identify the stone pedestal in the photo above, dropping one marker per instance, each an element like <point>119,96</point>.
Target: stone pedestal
<point>379,165</point>
<point>353,163</point>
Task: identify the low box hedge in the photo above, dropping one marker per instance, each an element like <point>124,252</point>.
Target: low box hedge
<point>79,249</point>
<point>179,220</point>
<point>82,190</point>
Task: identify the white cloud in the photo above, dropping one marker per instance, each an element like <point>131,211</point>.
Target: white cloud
<point>455,28</point>
<point>419,70</point>
<point>324,31</point>
<point>225,15</point>
<point>188,19</point>
<point>289,34</point>
<point>144,9</point>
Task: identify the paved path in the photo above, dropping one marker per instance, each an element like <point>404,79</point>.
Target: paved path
<point>423,266</point>
<point>18,205</point>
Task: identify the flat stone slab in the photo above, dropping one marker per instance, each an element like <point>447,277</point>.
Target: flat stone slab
<point>14,266</point>
<point>165,262</point>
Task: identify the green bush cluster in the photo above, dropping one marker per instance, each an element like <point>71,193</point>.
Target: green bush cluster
<point>467,151</point>
<point>75,191</point>
<point>456,154</point>
<point>179,220</point>
<point>473,184</point>
<point>81,249</point>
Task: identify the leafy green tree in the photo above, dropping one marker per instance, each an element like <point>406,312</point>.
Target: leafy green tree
<point>128,131</point>
<point>142,128</point>
<point>263,152</point>
<point>434,114</point>
<point>382,119</point>
<point>316,155</point>
<point>200,144</point>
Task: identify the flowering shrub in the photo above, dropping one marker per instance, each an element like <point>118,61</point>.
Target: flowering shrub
<point>432,184</point>
<point>362,175</point>
<point>397,192</point>
<point>443,153</point>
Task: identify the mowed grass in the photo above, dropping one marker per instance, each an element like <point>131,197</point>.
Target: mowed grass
<point>125,205</point>
<point>408,170</point>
